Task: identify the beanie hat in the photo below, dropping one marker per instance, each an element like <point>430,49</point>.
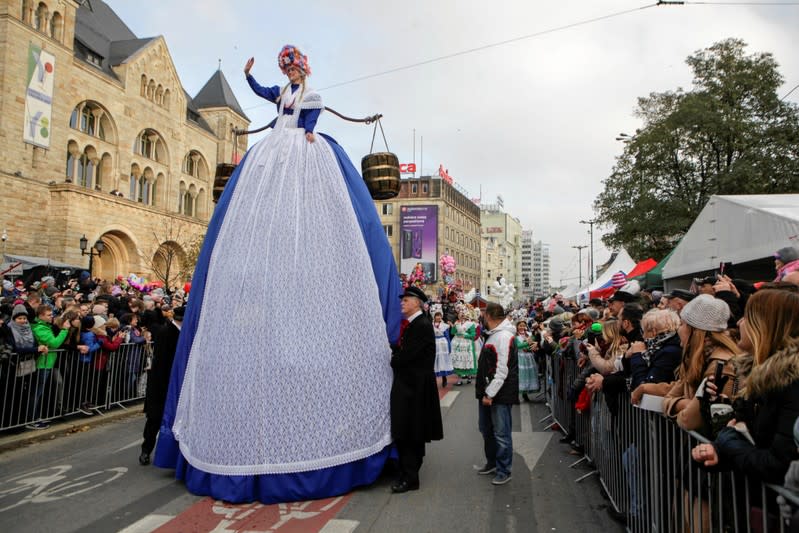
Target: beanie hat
<point>7,285</point>
<point>618,280</point>
<point>707,313</point>
<point>787,254</point>
<point>99,322</point>
<point>290,56</point>
<point>19,309</point>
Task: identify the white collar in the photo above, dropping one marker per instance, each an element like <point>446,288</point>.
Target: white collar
<point>413,316</point>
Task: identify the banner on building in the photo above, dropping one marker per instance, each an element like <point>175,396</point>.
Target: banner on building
<point>419,239</point>
<point>39,97</point>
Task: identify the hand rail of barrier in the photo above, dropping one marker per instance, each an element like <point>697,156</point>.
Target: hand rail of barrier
<point>78,383</point>
<point>645,467</point>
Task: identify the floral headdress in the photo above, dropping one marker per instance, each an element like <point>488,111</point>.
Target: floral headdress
<point>290,56</point>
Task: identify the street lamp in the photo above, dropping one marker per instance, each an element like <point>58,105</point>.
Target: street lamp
<point>99,246</point>
<point>580,261</point>
<point>590,223</point>
<point>5,238</point>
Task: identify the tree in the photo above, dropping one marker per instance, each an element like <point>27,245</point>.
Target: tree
<point>730,134</point>
<point>168,262</point>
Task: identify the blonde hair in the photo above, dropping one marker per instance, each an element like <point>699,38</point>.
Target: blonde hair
<point>297,101</point>
<point>697,350</point>
<point>611,333</point>
<point>660,321</point>
<point>772,322</point>
<point>112,322</point>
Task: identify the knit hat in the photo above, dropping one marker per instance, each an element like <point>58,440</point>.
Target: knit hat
<point>590,311</point>
<point>787,254</point>
<point>19,309</point>
<point>707,313</point>
<point>290,56</point>
<point>618,280</point>
<point>7,285</point>
<point>99,322</point>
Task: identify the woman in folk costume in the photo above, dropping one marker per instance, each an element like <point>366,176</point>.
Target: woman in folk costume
<point>528,369</point>
<point>443,366</point>
<point>242,422</point>
<point>464,356</point>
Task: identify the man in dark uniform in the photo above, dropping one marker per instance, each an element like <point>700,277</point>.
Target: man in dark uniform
<point>165,342</point>
<point>415,411</point>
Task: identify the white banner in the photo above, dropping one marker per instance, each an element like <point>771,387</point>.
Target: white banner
<point>39,97</point>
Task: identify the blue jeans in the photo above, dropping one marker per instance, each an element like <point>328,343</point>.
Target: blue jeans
<point>43,376</point>
<point>495,424</point>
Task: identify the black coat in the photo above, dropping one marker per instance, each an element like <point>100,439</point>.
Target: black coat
<point>165,342</point>
<point>415,410</point>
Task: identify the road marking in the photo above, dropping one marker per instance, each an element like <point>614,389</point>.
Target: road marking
<point>147,524</point>
<point>531,446</point>
<point>449,398</point>
<point>339,526</point>
<point>129,446</point>
<point>527,424</point>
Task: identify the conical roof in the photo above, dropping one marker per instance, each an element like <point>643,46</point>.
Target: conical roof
<point>217,93</point>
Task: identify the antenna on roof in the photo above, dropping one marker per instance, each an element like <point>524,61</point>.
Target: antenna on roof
<point>220,64</point>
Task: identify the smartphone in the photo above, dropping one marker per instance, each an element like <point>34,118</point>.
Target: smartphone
<point>719,373</point>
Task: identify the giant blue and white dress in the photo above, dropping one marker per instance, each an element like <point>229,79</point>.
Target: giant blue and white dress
<point>295,233</point>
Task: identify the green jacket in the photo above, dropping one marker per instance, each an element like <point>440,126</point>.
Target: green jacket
<point>43,333</point>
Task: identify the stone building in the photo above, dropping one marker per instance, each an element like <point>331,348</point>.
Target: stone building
<point>458,225</point>
<point>100,139</point>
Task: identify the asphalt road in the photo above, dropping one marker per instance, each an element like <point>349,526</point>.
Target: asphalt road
<point>91,481</point>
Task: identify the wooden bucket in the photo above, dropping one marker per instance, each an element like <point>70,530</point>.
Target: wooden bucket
<point>381,173</point>
<point>223,173</point>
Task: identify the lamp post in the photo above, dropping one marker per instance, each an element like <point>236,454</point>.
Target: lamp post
<point>99,246</point>
<point>5,238</point>
<point>580,262</point>
<point>590,223</point>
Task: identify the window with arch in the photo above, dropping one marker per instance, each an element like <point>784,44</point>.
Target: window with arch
<point>194,165</point>
<point>186,196</point>
<point>159,95</point>
<point>57,26</point>
<point>42,15</point>
<point>27,10</point>
<point>92,119</point>
<point>151,90</point>
<point>150,144</point>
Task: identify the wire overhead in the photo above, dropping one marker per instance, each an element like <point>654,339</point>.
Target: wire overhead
<point>483,47</point>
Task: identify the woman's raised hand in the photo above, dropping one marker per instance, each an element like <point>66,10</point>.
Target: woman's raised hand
<point>248,66</point>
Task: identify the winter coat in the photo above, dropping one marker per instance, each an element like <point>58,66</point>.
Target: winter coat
<point>415,409</point>
<point>108,345</point>
<point>43,333</point>
<point>165,342</point>
<point>498,366</point>
<point>88,338</point>
<point>661,365</point>
<point>690,417</point>
<point>769,409</point>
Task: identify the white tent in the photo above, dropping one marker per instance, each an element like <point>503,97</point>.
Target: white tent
<point>622,262</point>
<point>736,229</point>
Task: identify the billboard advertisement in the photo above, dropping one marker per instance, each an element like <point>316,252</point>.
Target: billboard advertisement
<point>39,97</point>
<point>419,239</point>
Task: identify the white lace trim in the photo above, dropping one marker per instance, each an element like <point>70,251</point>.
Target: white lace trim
<point>258,395</point>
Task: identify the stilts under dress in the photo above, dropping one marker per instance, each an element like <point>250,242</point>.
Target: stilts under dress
<point>294,228</point>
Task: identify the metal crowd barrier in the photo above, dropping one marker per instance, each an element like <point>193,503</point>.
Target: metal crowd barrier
<point>78,383</point>
<point>645,468</point>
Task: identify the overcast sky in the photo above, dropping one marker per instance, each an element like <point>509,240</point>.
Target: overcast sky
<point>533,120</point>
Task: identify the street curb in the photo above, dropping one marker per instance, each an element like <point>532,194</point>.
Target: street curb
<point>67,428</point>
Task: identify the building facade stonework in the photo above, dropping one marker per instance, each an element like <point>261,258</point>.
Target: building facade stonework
<point>131,156</point>
<point>458,232</point>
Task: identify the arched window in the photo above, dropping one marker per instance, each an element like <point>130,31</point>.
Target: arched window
<point>190,165</point>
<point>151,90</point>
<point>150,144</point>
<point>135,172</point>
<point>188,204</point>
<point>159,95</point>
<point>40,22</point>
<point>92,119</point>
<point>166,99</point>
<point>56,26</point>
<point>143,190</point>
<point>103,169</point>
<point>70,166</point>
<point>144,85</point>
<point>84,173</point>
<point>27,7</point>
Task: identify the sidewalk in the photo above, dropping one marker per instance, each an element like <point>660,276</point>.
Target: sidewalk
<point>14,438</point>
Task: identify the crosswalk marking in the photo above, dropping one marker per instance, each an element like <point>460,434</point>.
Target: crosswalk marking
<point>449,398</point>
<point>339,526</point>
<point>147,524</point>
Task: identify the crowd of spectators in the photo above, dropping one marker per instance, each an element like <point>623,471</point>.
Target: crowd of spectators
<point>721,359</point>
<point>74,347</point>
